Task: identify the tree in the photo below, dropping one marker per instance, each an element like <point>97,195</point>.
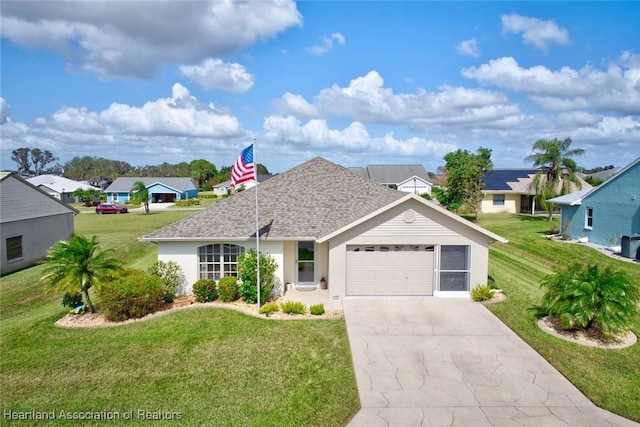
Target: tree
<point>77,265</point>
<point>248,274</point>
<point>41,159</point>
<point>558,169</point>
<point>21,157</point>
<point>87,196</point>
<point>464,172</point>
<point>140,194</point>
<point>202,171</point>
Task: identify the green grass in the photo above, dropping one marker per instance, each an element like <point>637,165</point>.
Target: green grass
<point>609,378</point>
<point>212,366</point>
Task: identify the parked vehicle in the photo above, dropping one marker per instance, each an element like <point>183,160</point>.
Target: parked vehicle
<point>107,208</point>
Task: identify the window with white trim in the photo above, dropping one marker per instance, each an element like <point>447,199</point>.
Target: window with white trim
<point>498,200</point>
<point>588,220</point>
<point>218,260</point>
<point>454,268</point>
<point>14,248</point>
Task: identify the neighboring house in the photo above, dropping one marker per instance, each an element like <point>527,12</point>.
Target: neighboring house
<point>602,175</point>
<point>407,178</point>
<point>604,213</point>
<point>512,191</point>
<point>31,221</point>
<point>60,187</point>
<point>224,188</point>
<point>161,190</point>
<point>319,220</point>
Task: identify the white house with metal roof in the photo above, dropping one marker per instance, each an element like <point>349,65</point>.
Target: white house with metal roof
<point>321,221</point>
<point>161,190</point>
<point>60,187</point>
<point>31,221</point>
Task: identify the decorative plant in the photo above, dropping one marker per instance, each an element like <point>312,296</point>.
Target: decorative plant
<point>585,297</point>
<point>482,293</point>
<point>293,307</point>
<point>171,275</point>
<point>247,273</point>
<point>205,290</point>
<point>317,309</point>
<point>228,288</point>
<point>133,294</point>
<point>270,308</point>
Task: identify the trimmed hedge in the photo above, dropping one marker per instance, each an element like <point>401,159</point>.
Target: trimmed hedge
<point>205,290</point>
<point>132,295</point>
<point>228,289</point>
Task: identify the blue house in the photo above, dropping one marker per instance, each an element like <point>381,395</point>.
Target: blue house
<point>604,213</point>
<point>161,190</point>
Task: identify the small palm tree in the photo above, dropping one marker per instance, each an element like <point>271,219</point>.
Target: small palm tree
<point>140,194</point>
<point>559,172</point>
<point>77,265</point>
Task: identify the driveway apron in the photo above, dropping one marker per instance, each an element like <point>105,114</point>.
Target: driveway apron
<point>451,362</point>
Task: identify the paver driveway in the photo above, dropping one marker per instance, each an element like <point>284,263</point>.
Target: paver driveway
<point>445,362</point>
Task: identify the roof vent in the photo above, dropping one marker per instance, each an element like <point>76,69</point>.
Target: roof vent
<point>409,216</point>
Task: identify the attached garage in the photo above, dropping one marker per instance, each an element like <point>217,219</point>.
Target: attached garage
<point>390,270</point>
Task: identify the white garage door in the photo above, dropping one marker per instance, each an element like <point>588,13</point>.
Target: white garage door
<point>390,270</point>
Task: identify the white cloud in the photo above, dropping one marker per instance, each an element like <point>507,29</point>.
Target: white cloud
<point>316,136</point>
<point>616,88</point>
<point>213,74</point>
<point>296,105</point>
<point>535,31</point>
<point>468,48</point>
<point>327,44</point>
<point>118,38</point>
<point>366,99</point>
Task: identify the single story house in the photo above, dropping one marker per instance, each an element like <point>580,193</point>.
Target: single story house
<point>31,221</point>
<point>407,178</point>
<point>512,191</point>
<point>321,221</point>
<point>604,213</point>
<point>60,187</point>
<point>224,188</point>
<point>161,190</point>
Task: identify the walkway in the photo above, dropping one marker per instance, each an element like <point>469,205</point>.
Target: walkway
<point>446,362</point>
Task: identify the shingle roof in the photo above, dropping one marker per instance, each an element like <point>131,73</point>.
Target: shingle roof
<point>395,174</point>
<point>124,184</point>
<point>311,200</point>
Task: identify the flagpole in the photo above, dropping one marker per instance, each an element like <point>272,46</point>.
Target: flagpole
<point>255,172</point>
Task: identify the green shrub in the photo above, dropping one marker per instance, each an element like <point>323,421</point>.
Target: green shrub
<point>228,289</point>
<point>293,307</point>
<point>585,297</point>
<point>247,273</point>
<point>482,293</point>
<point>187,202</point>
<point>134,294</point>
<point>207,196</point>
<point>205,290</point>
<point>270,307</point>
<point>71,299</point>
<point>171,275</point>
<point>317,309</point>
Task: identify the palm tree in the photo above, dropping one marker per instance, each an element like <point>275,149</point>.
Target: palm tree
<point>558,172</point>
<point>77,265</point>
<point>140,194</point>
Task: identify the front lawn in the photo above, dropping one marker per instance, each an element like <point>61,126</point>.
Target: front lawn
<point>206,366</point>
<point>609,378</point>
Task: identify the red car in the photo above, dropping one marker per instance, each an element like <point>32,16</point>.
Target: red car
<point>106,208</point>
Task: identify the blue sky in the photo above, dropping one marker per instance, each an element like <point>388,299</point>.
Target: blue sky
<point>355,82</point>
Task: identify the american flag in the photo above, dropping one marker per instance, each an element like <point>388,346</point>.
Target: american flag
<point>243,169</point>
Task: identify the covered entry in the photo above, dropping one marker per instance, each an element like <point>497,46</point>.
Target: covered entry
<point>390,270</point>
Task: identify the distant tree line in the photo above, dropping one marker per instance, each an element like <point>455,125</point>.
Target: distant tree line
<point>101,172</point>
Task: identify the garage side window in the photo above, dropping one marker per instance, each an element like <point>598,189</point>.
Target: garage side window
<point>454,268</point>
<point>219,260</point>
<point>14,248</point>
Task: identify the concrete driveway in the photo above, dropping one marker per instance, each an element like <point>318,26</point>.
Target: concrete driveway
<point>451,362</point>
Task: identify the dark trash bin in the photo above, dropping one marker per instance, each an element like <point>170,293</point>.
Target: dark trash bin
<point>631,246</point>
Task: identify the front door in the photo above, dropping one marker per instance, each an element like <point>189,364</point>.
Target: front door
<point>306,263</point>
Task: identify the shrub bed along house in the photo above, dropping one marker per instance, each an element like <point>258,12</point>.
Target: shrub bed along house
<point>228,289</point>
<point>205,290</point>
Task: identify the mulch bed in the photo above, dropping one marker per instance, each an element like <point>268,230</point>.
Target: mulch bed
<point>590,337</point>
